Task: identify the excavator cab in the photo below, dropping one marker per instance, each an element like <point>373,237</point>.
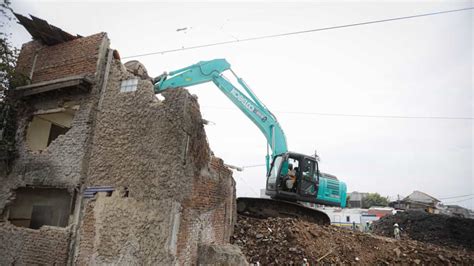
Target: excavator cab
<point>311,185</point>
<point>279,178</point>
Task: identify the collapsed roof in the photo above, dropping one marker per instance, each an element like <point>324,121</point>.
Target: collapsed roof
<point>41,30</point>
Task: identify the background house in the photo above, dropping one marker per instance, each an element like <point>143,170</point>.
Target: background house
<point>417,200</point>
<point>355,199</point>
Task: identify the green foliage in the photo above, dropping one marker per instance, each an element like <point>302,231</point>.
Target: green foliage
<point>374,199</point>
<point>9,79</point>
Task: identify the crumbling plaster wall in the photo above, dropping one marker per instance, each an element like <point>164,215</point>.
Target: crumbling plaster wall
<point>24,246</point>
<point>63,164</point>
<point>125,231</point>
<point>170,194</point>
<point>177,196</point>
<point>140,142</point>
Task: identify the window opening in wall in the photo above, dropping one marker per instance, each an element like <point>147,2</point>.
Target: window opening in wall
<point>41,215</point>
<point>348,218</point>
<point>129,85</point>
<point>35,207</point>
<point>48,125</point>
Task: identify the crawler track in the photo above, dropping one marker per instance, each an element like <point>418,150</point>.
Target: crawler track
<point>265,208</point>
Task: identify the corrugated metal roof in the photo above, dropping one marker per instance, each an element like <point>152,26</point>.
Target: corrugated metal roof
<point>41,30</point>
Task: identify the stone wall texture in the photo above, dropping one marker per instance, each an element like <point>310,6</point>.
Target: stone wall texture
<point>178,195</point>
<point>24,246</point>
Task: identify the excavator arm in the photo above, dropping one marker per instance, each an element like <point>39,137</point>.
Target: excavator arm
<point>258,113</point>
<point>248,103</point>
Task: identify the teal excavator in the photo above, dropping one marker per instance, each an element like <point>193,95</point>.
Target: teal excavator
<point>293,179</point>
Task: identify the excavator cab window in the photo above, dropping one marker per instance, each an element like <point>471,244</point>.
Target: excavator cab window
<point>290,175</point>
<point>275,170</point>
<point>308,178</point>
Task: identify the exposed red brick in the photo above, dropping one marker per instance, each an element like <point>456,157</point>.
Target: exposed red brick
<point>77,57</point>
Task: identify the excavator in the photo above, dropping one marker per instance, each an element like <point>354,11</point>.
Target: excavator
<point>293,179</point>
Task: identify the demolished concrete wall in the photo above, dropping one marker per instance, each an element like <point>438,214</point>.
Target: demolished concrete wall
<point>167,195</point>
<point>63,164</point>
<point>170,193</point>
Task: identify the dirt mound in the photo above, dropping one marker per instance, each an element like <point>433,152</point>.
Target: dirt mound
<point>433,228</point>
<point>276,241</point>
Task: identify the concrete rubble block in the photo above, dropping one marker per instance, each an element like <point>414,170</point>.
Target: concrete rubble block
<point>125,231</point>
<point>138,69</point>
<point>224,254</point>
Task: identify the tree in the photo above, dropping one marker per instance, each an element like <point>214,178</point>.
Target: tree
<point>9,78</point>
<point>374,199</point>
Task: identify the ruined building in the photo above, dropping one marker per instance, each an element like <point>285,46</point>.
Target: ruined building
<point>102,170</point>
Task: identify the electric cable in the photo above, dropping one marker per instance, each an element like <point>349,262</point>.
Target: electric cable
<point>358,115</point>
<point>454,197</point>
<point>296,32</point>
<point>459,200</point>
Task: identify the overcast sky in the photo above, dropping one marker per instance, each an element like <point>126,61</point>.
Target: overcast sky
<point>416,67</point>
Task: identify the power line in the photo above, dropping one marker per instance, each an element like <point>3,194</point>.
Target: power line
<point>359,115</point>
<point>460,200</point>
<point>454,197</point>
<point>297,32</point>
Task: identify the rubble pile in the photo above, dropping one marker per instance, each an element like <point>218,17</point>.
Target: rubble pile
<point>433,228</point>
<point>289,241</point>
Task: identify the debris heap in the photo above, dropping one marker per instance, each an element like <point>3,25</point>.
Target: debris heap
<point>438,229</point>
<point>289,241</point>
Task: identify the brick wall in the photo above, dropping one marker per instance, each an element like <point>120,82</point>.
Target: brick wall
<point>24,246</point>
<point>86,235</point>
<point>209,212</point>
<point>76,57</point>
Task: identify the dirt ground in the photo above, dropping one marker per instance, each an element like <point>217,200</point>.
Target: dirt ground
<point>276,241</point>
<point>433,228</point>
